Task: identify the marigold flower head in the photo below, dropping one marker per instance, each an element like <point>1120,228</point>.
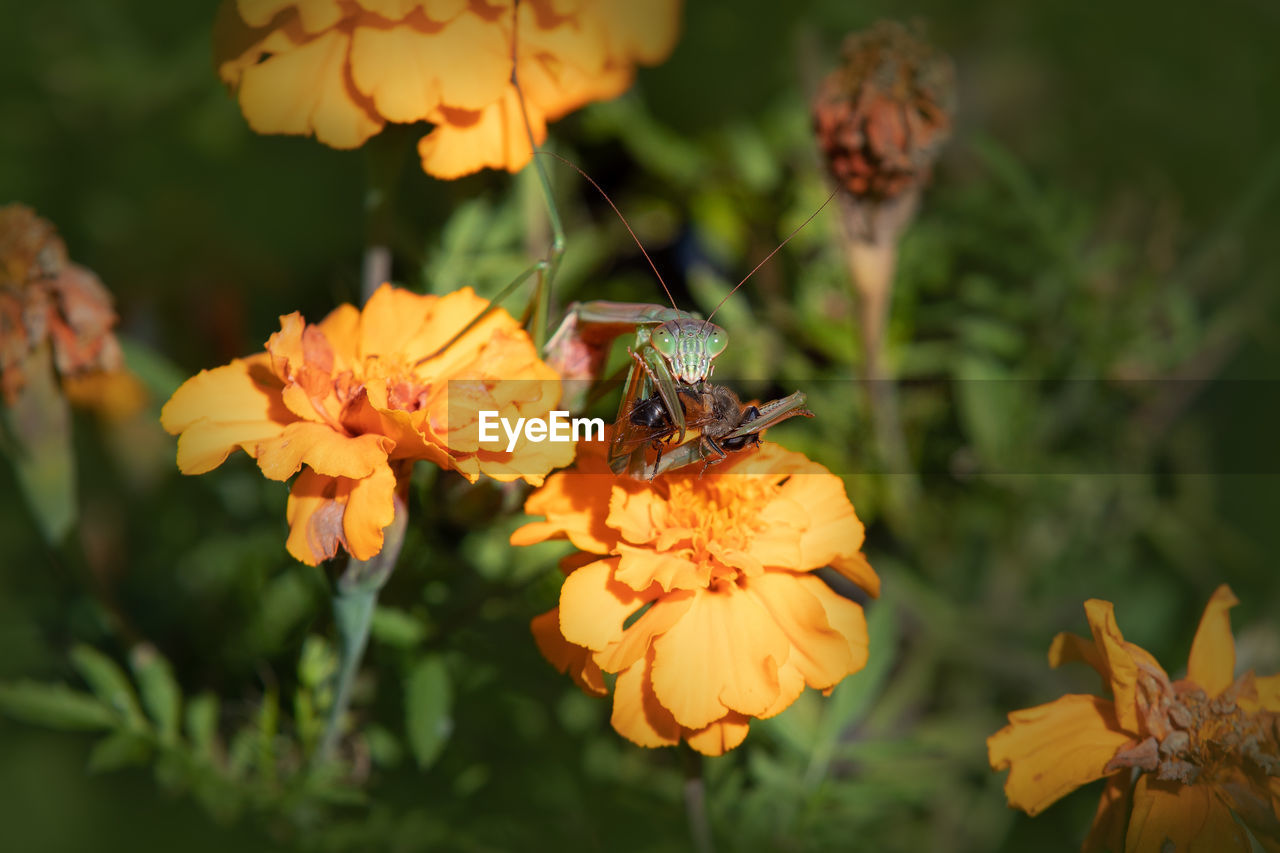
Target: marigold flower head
<point>342,69</point>
<point>699,592</point>
<point>882,116</point>
<point>46,298</point>
<point>354,400</point>
<point>1179,756</point>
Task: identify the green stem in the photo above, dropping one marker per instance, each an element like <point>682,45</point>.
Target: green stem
<point>695,801</point>
<point>354,599</point>
<point>547,274</point>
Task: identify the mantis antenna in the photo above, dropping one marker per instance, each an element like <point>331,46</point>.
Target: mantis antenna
<point>600,190</point>
<point>771,254</point>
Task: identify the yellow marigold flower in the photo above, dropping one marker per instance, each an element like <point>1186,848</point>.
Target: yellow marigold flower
<point>342,69</point>
<point>1179,756</point>
<point>353,400</point>
<point>46,298</point>
<point>699,592</point>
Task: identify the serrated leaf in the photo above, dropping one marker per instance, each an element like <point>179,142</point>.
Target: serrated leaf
<point>160,692</point>
<point>109,683</point>
<point>202,723</point>
<point>56,706</point>
<point>397,628</point>
<point>428,700</point>
<point>118,750</point>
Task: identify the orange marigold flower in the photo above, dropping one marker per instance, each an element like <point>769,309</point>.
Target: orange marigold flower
<point>699,592</point>
<point>341,69</point>
<point>356,399</point>
<point>1179,756</point>
<point>46,298</point>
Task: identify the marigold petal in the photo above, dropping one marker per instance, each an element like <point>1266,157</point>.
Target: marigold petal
<point>218,410</point>
<point>408,73</point>
<point>1106,835</point>
<point>648,30</point>
<point>1054,748</point>
<point>1121,670</point>
<point>638,637</point>
<point>790,686</point>
<point>637,714</point>
<point>306,91</point>
<point>1068,648</point>
<point>640,569</point>
<point>370,509</point>
<point>594,606</point>
<point>466,141</point>
<point>1212,661</point>
<point>821,654</point>
<point>1185,818</point>
<point>565,656</point>
<point>635,514</point>
<point>395,10</point>
<point>721,736</point>
<point>856,568</point>
<point>328,452</point>
<point>325,512</point>
<point>1268,689</point>
<point>723,655</point>
<point>315,15</point>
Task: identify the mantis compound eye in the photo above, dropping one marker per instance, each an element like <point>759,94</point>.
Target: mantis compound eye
<point>717,340</point>
<point>664,342</point>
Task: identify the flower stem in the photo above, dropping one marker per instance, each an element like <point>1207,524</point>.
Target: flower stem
<point>872,260</point>
<point>695,801</point>
<point>354,600</point>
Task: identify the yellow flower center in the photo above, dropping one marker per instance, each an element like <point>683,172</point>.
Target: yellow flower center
<point>717,521</point>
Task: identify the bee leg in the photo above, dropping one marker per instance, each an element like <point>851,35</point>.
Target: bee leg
<point>720,455</point>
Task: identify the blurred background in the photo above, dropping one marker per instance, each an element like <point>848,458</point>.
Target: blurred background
<point>1083,322</point>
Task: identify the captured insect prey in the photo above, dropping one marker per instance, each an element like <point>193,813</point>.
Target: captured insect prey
<point>721,420</point>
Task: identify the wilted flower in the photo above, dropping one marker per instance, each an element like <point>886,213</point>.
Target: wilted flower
<point>46,298</point>
<point>1179,756</point>
<point>882,116</point>
<point>699,592</point>
<point>342,69</point>
<point>357,398</point>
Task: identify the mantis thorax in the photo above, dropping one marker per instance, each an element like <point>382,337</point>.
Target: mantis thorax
<point>689,347</point>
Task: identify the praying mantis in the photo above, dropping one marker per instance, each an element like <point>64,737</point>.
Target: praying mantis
<point>672,351</point>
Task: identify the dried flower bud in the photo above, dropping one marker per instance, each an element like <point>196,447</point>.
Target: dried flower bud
<point>882,116</point>
<point>43,296</point>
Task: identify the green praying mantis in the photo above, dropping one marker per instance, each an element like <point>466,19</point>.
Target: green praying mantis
<point>672,351</point>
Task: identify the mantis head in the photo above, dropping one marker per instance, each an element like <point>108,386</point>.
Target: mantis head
<point>688,347</point>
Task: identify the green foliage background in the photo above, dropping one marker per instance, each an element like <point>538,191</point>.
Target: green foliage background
<point>1105,211</point>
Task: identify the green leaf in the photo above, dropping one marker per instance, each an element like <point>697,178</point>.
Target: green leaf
<point>109,683</point>
<point>56,706</point>
<point>118,750</point>
<point>202,723</point>
<point>160,692</point>
<point>427,702</point>
<point>397,628</point>
<point>38,426</point>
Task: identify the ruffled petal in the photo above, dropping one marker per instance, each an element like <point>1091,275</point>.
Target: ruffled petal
<point>306,91</point>
<point>819,652</point>
<point>325,512</point>
<point>1121,670</point>
<point>1212,661</point>
<point>1185,818</point>
<point>721,736</point>
<point>329,453</point>
<point>637,714</point>
<point>565,656</point>
<point>1052,749</point>
<point>722,655</point>
<point>594,606</point>
<point>237,405</point>
<point>467,141</point>
<point>1106,835</point>
<point>408,72</point>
